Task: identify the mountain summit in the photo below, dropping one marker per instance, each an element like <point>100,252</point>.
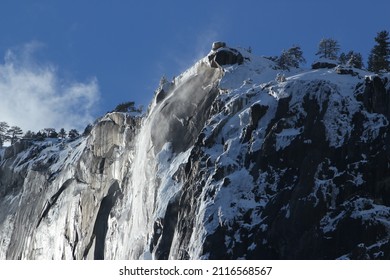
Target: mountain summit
<point>235,159</point>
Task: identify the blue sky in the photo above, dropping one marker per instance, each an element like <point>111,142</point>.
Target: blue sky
<point>82,58</point>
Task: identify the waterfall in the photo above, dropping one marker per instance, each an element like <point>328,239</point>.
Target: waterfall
<point>171,127</point>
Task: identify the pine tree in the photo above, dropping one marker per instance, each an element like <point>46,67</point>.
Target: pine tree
<point>29,135</point>
<point>3,127</point>
<point>73,134</point>
<point>14,133</point>
<point>293,57</point>
<point>353,59</point>
<point>343,59</point>
<point>62,133</point>
<point>378,59</point>
<point>40,136</point>
<point>3,132</point>
<point>328,48</point>
<point>128,107</point>
<point>283,60</point>
<point>51,132</point>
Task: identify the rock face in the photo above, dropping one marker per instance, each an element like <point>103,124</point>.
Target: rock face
<point>51,192</point>
<point>228,164</point>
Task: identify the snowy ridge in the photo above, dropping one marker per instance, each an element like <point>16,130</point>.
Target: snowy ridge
<point>229,192</point>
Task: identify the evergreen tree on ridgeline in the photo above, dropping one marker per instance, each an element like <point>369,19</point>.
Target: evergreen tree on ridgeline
<point>378,59</point>
<point>73,134</point>
<point>328,48</point>
<point>51,132</point>
<point>3,132</point>
<point>29,135</point>
<point>62,133</point>
<point>14,133</point>
<point>127,107</point>
<point>293,57</point>
<point>353,59</point>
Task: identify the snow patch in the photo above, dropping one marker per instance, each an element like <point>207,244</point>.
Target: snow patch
<point>286,136</point>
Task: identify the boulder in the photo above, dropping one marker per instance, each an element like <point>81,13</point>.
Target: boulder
<point>345,71</point>
<point>225,56</point>
<point>217,45</point>
<point>323,64</point>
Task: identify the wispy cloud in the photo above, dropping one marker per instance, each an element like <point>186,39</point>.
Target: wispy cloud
<point>34,96</point>
<point>196,47</point>
<point>204,41</point>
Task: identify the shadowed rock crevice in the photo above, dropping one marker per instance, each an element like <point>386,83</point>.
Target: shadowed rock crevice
<point>101,223</point>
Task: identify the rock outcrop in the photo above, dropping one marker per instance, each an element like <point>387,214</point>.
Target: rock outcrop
<point>222,55</point>
<point>324,65</point>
